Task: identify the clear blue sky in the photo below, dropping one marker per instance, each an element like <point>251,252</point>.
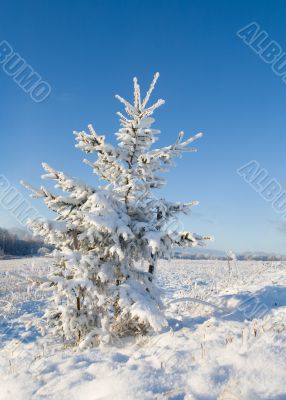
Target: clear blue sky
<point>212,82</point>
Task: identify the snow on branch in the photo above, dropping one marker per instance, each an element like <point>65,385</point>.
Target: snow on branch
<point>166,154</point>
<point>189,239</point>
<point>150,90</point>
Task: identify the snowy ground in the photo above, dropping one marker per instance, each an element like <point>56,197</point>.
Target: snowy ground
<point>227,340</point>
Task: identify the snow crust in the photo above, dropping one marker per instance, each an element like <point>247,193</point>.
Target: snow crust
<point>226,339</point>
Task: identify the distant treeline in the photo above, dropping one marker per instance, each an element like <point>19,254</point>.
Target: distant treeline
<point>12,245</point>
<point>240,257</point>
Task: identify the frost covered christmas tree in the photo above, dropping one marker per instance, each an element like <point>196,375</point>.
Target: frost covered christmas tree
<point>103,235</point>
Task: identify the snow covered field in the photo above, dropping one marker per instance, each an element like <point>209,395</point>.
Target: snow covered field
<point>226,340</point>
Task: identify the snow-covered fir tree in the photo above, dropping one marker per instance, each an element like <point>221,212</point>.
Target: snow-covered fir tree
<point>109,239</point>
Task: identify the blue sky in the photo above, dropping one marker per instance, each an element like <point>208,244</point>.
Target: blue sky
<point>211,80</point>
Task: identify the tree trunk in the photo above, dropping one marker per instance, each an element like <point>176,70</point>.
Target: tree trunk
<point>151,271</point>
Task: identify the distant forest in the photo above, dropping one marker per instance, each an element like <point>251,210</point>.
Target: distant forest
<point>13,245</point>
